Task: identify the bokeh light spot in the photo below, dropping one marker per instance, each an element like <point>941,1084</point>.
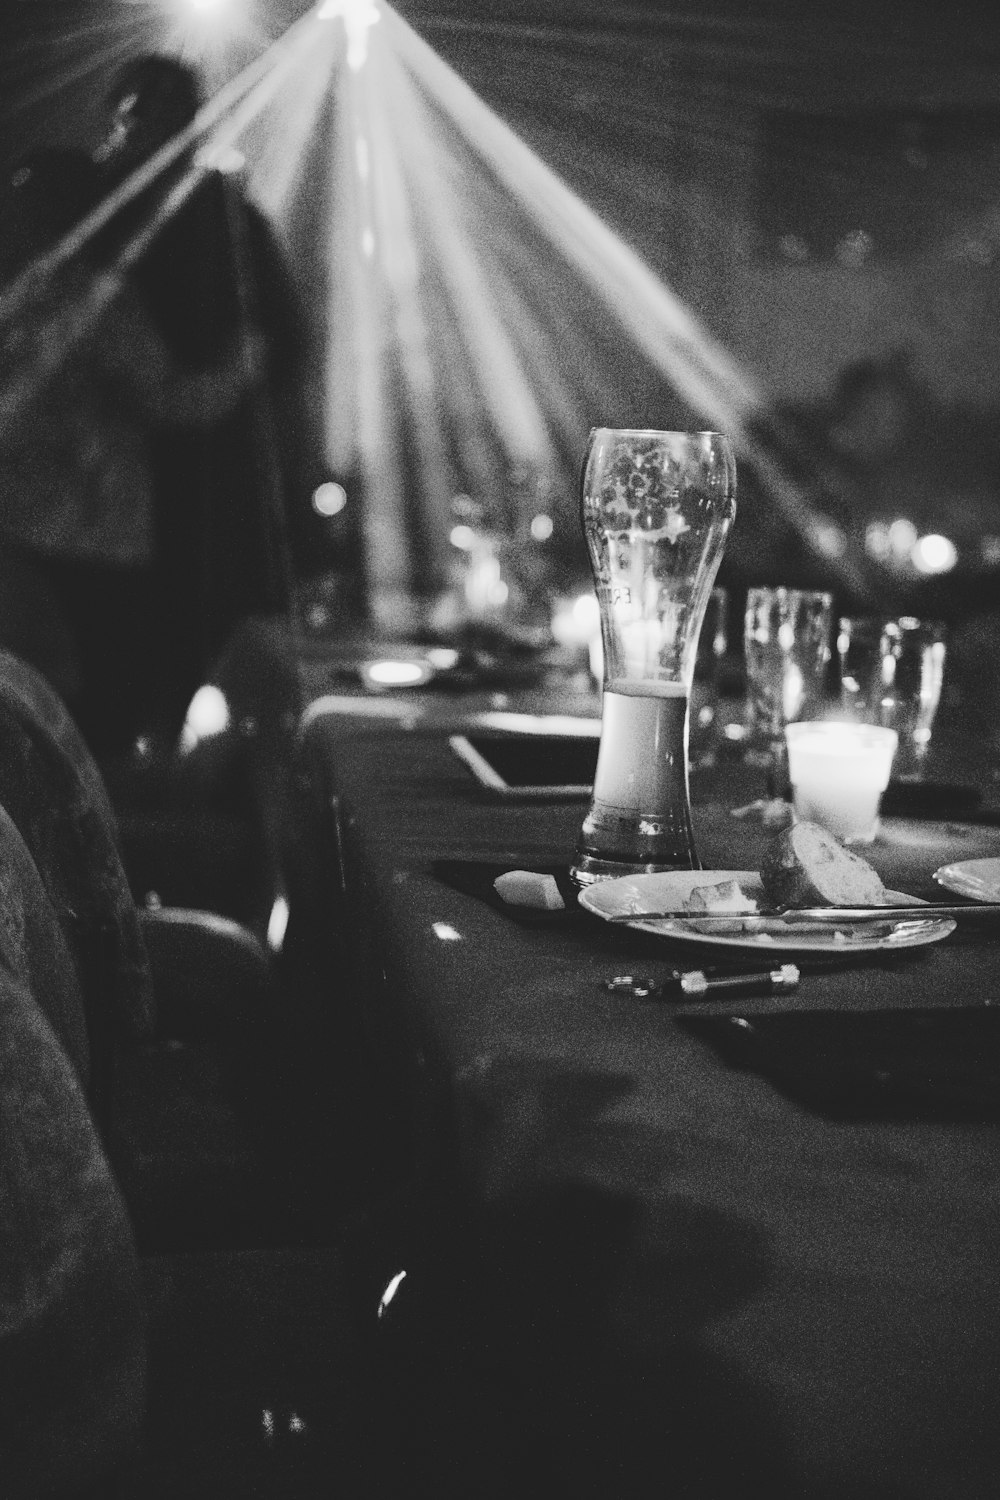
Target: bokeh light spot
<point>329,499</point>
<point>934,554</point>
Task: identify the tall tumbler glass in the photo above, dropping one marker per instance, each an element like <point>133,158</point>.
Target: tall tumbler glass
<point>912,674</point>
<point>786,640</point>
<point>891,672</point>
<point>859,654</point>
<point>657,508</point>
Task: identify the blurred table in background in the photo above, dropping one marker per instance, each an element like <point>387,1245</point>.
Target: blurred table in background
<point>964,751</point>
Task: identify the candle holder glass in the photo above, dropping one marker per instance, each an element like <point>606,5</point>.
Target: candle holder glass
<point>838,773</point>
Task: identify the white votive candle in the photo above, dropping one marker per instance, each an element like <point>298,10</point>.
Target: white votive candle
<point>838,774</point>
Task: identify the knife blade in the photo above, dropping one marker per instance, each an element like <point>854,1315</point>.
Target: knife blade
<point>797,914</point>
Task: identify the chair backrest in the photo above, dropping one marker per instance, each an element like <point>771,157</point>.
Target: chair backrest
<point>34,951</point>
<point>72,1345</point>
<point>53,791</point>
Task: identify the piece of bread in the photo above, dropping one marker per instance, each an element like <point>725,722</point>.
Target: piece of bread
<point>725,897</point>
<point>806,866</point>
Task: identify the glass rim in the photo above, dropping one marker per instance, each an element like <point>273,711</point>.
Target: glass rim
<point>917,623</point>
<point>784,591</point>
<point>869,735</point>
<point>680,432</point>
<point>903,622</point>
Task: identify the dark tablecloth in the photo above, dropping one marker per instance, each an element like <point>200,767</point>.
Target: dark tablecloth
<point>700,1282</point>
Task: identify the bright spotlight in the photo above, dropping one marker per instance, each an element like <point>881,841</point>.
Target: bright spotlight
<point>202,14</point>
<point>934,554</point>
<point>202,28</point>
<point>359,16</point>
<point>541,527</point>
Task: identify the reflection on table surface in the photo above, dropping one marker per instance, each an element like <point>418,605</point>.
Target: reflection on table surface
<point>653,1252</point>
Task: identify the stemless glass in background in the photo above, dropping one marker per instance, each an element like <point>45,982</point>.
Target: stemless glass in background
<point>891,673</point>
<point>786,642</point>
<point>859,656</point>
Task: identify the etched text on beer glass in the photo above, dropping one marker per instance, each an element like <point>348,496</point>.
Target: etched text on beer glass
<point>657,507</point>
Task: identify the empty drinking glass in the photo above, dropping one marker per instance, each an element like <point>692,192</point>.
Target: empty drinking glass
<point>787,650</point>
<point>859,656</point>
<point>656,508</point>
<point>891,672</point>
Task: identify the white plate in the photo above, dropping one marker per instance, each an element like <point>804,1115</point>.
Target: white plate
<point>615,899</point>
<point>978,878</point>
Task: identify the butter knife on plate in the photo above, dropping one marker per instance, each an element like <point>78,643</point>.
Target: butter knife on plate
<point>917,911</point>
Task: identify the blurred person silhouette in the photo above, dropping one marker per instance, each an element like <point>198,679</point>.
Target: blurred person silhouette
<point>92,380</point>
<point>868,456</point>
<point>879,437</point>
<point>231,496</point>
<point>895,466</point>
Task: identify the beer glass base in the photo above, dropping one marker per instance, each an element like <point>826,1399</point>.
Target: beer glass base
<point>588,869</point>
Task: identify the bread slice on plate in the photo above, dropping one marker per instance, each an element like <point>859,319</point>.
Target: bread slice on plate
<point>806,866</point>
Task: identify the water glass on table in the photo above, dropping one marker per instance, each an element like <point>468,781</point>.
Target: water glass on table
<point>891,672</point>
<point>786,642</point>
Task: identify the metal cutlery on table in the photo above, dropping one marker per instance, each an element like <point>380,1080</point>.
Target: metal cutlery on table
<point>798,914</point>
<point>701,984</point>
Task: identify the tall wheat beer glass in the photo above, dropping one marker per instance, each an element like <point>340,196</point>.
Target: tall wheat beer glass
<point>657,508</point>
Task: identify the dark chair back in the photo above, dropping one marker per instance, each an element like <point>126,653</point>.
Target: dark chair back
<point>52,789</point>
<point>72,1343</point>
